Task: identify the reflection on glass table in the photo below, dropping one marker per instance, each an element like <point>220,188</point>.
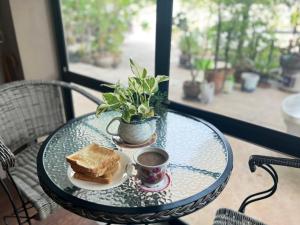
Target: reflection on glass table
<point>200,166</point>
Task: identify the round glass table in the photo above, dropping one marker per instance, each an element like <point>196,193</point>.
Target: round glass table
<point>200,166</point>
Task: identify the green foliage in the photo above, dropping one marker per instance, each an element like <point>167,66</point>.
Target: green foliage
<point>98,26</point>
<point>230,77</point>
<point>140,100</point>
<point>265,62</point>
<point>203,64</point>
<point>189,44</point>
<point>246,35</point>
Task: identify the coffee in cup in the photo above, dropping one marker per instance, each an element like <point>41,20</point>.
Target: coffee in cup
<point>151,165</point>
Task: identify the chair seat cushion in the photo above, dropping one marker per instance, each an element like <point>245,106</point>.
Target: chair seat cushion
<point>25,176</point>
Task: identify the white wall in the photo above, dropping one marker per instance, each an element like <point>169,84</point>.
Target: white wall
<point>35,38</point>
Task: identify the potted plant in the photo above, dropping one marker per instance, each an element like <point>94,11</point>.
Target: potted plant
<point>138,105</point>
<point>189,47</point>
<point>290,58</point>
<point>97,29</point>
<point>218,75</point>
<point>191,88</point>
<point>188,41</point>
<point>229,84</point>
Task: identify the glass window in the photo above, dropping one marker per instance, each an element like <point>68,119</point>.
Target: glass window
<point>238,58</point>
<point>101,36</point>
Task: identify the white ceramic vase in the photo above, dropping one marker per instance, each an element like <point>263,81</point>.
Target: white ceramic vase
<point>134,133</point>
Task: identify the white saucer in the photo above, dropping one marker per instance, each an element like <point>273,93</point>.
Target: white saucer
<point>121,143</point>
<point>162,185</point>
<point>119,178</point>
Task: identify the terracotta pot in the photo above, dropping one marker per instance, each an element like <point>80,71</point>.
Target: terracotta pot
<point>218,77</point>
<point>191,89</point>
<point>106,60</point>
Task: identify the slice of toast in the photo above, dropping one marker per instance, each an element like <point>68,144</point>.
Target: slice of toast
<point>92,159</point>
<point>111,167</point>
<point>104,179</point>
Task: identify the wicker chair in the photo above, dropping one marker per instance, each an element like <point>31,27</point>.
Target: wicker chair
<point>29,110</point>
<point>230,217</point>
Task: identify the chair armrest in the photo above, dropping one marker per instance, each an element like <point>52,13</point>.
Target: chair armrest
<point>7,158</point>
<point>77,89</point>
<point>258,160</point>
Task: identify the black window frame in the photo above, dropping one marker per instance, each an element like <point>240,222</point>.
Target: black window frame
<point>265,137</point>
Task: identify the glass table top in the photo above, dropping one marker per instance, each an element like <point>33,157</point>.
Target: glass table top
<point>199,157</point>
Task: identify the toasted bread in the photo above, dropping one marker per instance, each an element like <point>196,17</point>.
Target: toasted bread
<point>104,179</point>
<point>100,180</point>
<point>111,168</point>
<point>92,159</point>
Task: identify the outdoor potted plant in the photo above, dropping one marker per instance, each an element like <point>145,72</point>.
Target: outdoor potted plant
<point>218,75</point>
<point>188,42</point>
<point>137,105</point>
<point>192,88</point>
<point>249,81</point>
<point>229,84</point>
<point>96,29</point>
<point>189,46</point>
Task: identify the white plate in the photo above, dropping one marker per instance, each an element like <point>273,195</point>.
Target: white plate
<point>119,178</point>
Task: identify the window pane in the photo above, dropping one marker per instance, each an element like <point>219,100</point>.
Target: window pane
<point>83,105</point>
<point>240,59</point>
<point>242,183</point>
<point>102,35</point>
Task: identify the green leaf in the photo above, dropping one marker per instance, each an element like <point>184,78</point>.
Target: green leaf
<point>144,74</point>
<point>161,78</point>
<point>113,86</point>
<point>134,68</point>
<point>101,108</point>
<point>126,116</point>
<point>150,114</point>
<point>135,84</point>
<point>111,98</point>
<point>131,108</point>
<point>150,85</point>
<point>143,109</point>
<point>203,64</point>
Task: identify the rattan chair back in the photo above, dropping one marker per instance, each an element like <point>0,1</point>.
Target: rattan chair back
<point>31,109</point>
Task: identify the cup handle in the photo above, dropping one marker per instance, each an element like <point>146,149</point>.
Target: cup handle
<point>113,120</point>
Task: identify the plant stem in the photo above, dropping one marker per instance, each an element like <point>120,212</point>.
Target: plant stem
<point>245,23</point>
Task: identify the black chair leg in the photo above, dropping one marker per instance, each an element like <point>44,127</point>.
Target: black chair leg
<point>17,211</point>
<point>21,198</point>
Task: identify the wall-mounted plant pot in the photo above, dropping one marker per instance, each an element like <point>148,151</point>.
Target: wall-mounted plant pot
<point>191,89</point>
<point>184,61</point>
<point>107,60</point>
<point>249,81</point>
<point>218,76</point>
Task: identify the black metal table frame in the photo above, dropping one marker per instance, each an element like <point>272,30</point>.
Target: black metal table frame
<point>124,215</point>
